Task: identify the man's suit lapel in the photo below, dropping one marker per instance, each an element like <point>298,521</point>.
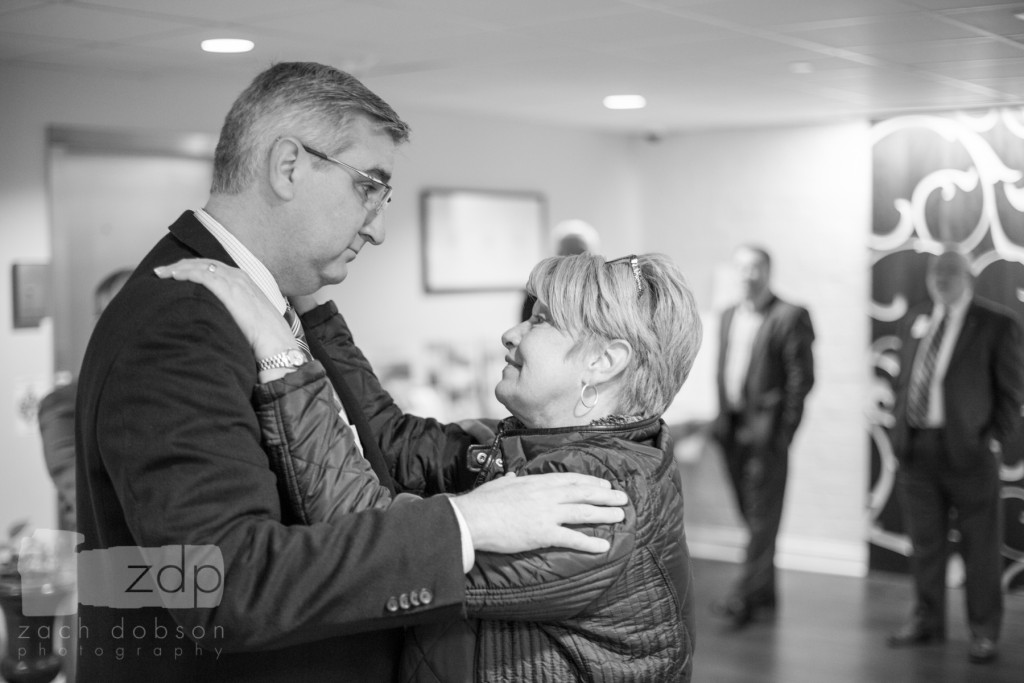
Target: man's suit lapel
<point>759,349</point>
<point>968,332</point>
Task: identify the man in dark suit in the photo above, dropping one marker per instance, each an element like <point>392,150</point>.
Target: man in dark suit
<point>170,456</point>
<point>765,371</point>
<point>958,399</point>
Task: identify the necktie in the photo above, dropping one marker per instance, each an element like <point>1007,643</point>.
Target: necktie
<point>293,321</point>
<point>921,381</point>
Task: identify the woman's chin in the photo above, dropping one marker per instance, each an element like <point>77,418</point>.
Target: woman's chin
<point>501,393</point>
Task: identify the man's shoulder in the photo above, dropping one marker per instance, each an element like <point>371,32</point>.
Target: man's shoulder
<point>149,301</point>
<point>785,308</point>
<point>988,309</point>
<point>789,318</point>
<point>149,310</point>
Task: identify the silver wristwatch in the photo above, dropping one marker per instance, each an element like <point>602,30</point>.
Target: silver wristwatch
<point>289,358</point>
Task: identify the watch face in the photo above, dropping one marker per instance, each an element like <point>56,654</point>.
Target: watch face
<point>295,357</point>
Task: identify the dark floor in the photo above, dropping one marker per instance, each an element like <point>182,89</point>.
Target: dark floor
<point>832,629</point>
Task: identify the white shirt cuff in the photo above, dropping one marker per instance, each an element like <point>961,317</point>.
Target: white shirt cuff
<point>468,554</point>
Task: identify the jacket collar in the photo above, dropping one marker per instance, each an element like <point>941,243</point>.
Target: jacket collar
<point>533,442</point>
<point>762,303</point>
<point>190,232</point>
<point>764,309</point>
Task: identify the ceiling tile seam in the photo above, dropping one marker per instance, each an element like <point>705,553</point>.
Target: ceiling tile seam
<point>819,48</point>
<point>1006,40</point>
<point>183,20</point>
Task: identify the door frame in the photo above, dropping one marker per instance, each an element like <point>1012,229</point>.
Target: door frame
<point>64,140</point>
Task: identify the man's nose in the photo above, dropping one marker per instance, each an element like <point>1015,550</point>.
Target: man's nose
<point>373,229</point>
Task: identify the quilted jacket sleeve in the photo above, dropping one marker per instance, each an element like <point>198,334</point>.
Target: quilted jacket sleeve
<point>554,583</point>
<point>312,451</point>
<point>424,454</point>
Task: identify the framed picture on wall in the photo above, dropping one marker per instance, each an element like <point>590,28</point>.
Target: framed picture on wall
<point>476,240</point>
<point>30,289</point>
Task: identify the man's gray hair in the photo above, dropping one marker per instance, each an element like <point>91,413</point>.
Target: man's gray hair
<point>597,301</point>
<point>313,102</point>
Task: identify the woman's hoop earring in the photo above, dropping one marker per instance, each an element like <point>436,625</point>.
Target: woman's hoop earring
<point>583,396</point>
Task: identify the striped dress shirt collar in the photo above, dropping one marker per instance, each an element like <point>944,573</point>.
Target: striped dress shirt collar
<point>245,259</point>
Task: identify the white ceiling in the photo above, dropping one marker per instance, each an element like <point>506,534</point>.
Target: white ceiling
<point>700,63</point>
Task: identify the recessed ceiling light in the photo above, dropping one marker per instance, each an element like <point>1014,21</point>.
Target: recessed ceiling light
<point>801,68</point>
<point>625,102</point>
<point>227,45</point>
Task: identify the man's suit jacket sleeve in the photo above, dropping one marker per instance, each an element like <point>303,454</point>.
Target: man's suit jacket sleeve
<point>798,363</point>
<point>181,444</point>
<point>1008,378</point>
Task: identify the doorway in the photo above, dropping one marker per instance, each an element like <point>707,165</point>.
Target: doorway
<point>112,194</point>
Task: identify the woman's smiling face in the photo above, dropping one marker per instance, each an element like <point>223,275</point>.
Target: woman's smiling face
<point>542,378</point>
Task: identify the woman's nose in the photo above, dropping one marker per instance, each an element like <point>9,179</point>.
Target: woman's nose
<point>511,336</point>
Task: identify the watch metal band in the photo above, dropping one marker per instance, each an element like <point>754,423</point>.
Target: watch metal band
<point>289,358</point>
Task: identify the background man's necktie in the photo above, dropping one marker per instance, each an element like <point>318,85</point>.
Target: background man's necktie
<point>920,382</point>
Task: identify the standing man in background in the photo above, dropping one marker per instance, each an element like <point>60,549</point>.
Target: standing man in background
<point>958,400</point>
<point>765,371</point>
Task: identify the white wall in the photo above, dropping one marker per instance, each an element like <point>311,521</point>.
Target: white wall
<point>583,175</point>
<point>805,193</point>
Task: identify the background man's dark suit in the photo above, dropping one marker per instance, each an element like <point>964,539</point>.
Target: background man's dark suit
<point>982,388</point>
<point>955,467</point>
<point>291,595</point>
<point>756,439</point>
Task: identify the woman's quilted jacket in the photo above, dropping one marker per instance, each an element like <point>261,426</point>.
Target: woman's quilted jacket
<point>554,615</point>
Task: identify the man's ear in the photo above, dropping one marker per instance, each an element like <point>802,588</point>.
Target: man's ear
<point>610,360</point>
<point>283,167</point>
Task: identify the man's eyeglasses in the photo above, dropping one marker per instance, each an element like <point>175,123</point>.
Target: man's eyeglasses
<point>376,193</point>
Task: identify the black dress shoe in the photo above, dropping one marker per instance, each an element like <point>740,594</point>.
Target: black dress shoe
<point>734,610</point>
<point>982,651</point>
<point>740,612</point>
<point>914,634</point>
